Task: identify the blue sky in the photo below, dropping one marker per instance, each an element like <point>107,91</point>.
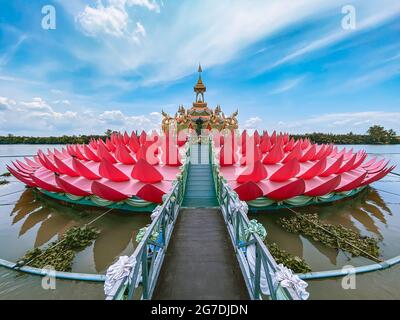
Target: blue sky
<point>286,65</point>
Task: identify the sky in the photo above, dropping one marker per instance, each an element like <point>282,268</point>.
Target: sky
<point>293,66</point>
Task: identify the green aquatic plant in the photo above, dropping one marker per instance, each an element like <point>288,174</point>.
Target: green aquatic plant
<point>295,263</point>
<point>79,238</point>
<point>58,258</point>
<point>154,236</point>
<point>60,254</point>
<point>5,174</point>
<point>255,227</point>
<point>333,236</point>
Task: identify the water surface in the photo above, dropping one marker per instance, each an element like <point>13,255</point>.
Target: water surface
<point>28,221</point>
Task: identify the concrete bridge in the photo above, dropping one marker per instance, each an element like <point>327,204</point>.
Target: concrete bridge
<point>202,248</point>
<point>200,262</point>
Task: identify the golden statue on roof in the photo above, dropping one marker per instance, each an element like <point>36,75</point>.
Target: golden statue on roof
<point>200,116</point>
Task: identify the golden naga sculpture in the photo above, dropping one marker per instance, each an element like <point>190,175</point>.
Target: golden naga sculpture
<point>232,122</point>
<point>200,116</point>
<point>167,121</point>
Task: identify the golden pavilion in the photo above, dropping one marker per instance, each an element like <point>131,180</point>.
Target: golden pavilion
<point>199,116</point>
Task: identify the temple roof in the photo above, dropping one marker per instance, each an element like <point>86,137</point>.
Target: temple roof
<point>200,85</point>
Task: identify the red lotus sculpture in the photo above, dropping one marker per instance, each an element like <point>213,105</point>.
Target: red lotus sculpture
<point>264,170</point>
<point>121,168</point>
<point>276,169</point>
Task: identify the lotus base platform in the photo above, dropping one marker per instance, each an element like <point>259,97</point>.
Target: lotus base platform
<point>265,204</point>
<point>130,205</point>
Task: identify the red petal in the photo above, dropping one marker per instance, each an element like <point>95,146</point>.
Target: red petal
<point>287,171</point>
<point>151,193</point>
<point>145,172</point>
<point>249,191</point>
<point>109,171</point>
<point>107,193</point>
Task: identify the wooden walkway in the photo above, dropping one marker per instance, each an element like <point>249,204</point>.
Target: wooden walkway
<point>200,262</point>
<point>200,190</point>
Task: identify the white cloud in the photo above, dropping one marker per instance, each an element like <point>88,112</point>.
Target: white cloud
<point>150,5</point>
<point>108,20</point>
<point>373,19</point>
<point>253,123</point>
<point>113,19</point>
<point>358,122</point>
<point>140,30</point>
<point>287,85</point>
<point>372,77</point>
<point>10,52</point>
<point>38,117</point>
<point>65,102</point>
<point>215,32</point>
<point>6,103</point>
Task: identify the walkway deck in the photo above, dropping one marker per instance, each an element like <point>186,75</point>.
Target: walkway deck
<point>200,262</point>
<point>200,190</point>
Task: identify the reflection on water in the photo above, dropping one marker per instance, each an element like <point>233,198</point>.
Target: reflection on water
<point>45,220</point>
<point>34,221</point>
<point>14,285</point>
<point>31,220</point>
<point>372,213</point>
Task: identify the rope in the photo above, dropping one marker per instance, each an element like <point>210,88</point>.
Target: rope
<point>383,153</point>
<point>21,264</point>
<point>7,204</point>
<point>8,194</point>
<point>395,194</point>
<point>376,259</point>
<point>395,173</point>
<point>17,156</point>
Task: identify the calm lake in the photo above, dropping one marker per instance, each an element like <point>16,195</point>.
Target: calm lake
<point>27,221</point>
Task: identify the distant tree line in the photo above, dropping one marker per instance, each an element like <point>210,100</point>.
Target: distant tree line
<point>11,139</point>
<point>375,135</point>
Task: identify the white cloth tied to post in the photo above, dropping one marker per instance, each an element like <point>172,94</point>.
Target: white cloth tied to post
<point>156,213</point>
<point>283,276</point>
<point>239,206</point>
<point>118,271</point>
<point>287,279</point>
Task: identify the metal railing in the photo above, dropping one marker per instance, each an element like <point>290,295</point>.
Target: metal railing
<point>264,266</point>
<point>150,252</point>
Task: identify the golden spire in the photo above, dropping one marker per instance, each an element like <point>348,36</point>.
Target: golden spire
<point>200,87</point>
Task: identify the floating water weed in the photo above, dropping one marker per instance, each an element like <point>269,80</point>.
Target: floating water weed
<point>5,174</point>
<point>60,254</point>
<point>295,263</point>
<point>333,236</point>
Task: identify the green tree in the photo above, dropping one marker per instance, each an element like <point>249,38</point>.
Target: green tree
<point>108,133</point>
<point>378,134</point>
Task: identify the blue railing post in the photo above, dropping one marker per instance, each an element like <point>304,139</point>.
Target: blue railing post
<point>237,223</point>
<point>236,218</point>
<point>257,274</point>
<point>145,280</point>
<point>269,279</point>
